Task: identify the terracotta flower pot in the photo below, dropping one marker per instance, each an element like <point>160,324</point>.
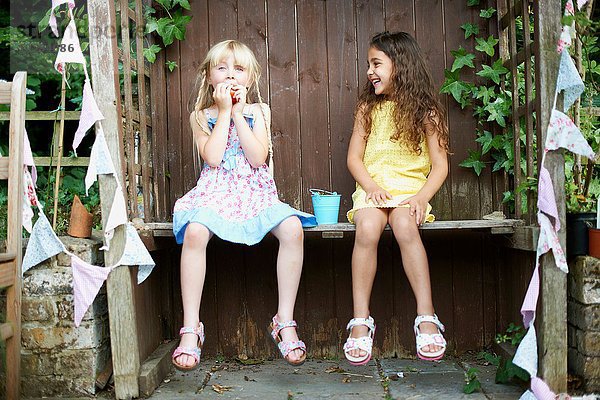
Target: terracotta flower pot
<point>594,242</point>
<point>80,223</point>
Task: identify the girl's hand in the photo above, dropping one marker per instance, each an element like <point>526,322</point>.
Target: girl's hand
<point>238,92</point>
<point>377,195</point>
<point>222,96</point>
<point>418,207</point>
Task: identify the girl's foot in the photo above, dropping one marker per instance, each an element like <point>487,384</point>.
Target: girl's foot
<point>431,344</point>
<point>188,341</point>
<point>357,332</point>
<point>289,334</point>
<point>186,356</point>
<point>284,335</point>
<point>429,328</point>
<point>359,345</point>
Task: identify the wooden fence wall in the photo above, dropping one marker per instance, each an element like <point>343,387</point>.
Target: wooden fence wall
<point>313,58</point>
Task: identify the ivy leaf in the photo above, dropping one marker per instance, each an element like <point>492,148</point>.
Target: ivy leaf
<point>493,72</point>
<point>183,3</point>
<point>472,3</point>
<point>170,28</point>
<point>472,386</point>
<point>485,94</point>
<point>150,52</point>
<point>462,58</point>
<point>487,13</point>
<point>151,24</point>
<point>487,46</point>
<point>165,3</point>
<point>496,112</point>
<point>43,24</point>
<point>473,161</point>
<point>171,65</point>
<point>470,30</point>
<point>454,86</point>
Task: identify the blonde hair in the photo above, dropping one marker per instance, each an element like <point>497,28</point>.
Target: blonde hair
<point>243,56</point>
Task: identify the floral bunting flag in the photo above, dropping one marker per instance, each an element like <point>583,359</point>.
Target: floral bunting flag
<point>526,355</point>
<point>29,200</point>
<point>69,50</point>
<point>562,132</point>
<point>87,281</point>
<point>100,161</point>
<point>52,20</point>
<point>28,156</point>
<point>90,113</point>
<point>136,254</point>
<point>42,244</point>
<point>569,80</point>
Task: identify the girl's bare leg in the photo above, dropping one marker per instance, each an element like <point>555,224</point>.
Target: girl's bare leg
<point>416,267</point>
<point>289,269</point>
<point>370,223</point>
<point>193,270</point>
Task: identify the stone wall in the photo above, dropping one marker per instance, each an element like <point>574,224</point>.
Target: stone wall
<point>584,321</point>
<point>57,358</point>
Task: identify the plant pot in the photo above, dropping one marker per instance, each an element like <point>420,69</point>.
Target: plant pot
<point>577,232</point>
<point>594,242</point>
<point>80,223</point>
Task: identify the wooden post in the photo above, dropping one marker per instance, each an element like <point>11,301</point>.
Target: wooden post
<point>552,314</point>
<point>105,78</point>
<point>59,149</point>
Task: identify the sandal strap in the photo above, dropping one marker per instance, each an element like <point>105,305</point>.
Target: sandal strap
<point>287,347</point>
<point>194,352</point>
<point>428,318</point>
<point>425,339</point>
<point>362,343</point>
<point>368,322</point>
<point>198,331</point>
<point>278,326</point>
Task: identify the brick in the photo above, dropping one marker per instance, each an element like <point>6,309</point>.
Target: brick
<point>48,282</point>
<point>86,336</point>
<point>584,280</point>
<point>57,385</point>
<point>586,317</point>
<point>37,309</point>
<point>588,343</point>
<point>36,364</point>
<point>97,310</point>
<point>77,363</point>
<point>587,367</point>
<point>86,249</point>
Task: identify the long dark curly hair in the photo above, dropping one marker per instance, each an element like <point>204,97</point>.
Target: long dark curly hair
<point>412,91</point>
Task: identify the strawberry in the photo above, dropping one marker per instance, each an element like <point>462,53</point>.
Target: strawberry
<point>233,99</point>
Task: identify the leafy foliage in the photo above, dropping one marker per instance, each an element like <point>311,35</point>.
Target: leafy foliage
<point>472,383</point>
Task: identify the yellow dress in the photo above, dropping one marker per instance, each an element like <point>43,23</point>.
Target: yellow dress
<point>392,165</point>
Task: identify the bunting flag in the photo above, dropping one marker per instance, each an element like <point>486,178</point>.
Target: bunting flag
<point>135,253</point>
<point>546,200</point>
<point>90,113</point>
<point>581,3</point>
<point>52,20</point>
<point>29,200</point>
<point>69,50</point>
<point>100,161</point>
<point>562,132</point>
<point>43,243</point>
<point>526,355</point>
<point>87,281</point>
<point>569,80</point>
<point>28,156</point>
<point>541,390</point>
<point>117,216</point>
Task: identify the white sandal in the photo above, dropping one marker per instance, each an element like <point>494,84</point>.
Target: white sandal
<point>426,339</point>
<point>364,343</point>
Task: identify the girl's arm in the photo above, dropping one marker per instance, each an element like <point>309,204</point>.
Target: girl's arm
<point>212,147</point>
<point>356,151</point>
<point>254,142</point>
<point>437,176</point>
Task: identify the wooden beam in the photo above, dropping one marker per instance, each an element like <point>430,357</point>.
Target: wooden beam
<point>66,162</point>
<point>552,313</point>
<point>5,92</point>
<point>122,318</point>
<point>4,168</point>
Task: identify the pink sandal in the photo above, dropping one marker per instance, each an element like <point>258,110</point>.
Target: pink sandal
<point>364,343</point>
<point>285,348</point>
<point>193,352</point>
<point>426,339</point>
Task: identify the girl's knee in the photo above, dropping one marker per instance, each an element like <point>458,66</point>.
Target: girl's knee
<point>405,229</point>
<point>368,232</point>
<point>290,230</point>
<point>196,235</point>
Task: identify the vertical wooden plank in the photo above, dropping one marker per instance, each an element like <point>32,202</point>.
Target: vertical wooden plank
<point>142,107</point>
<point>489,270</point>
<point>285,108</point>
<point>124,339</point>
<point>192,52</point>
<point>400,16</point>
<point>529,109</point>
<point>516,125</point>
<point>223,20</point>
<point>252,29</point>
<point>127,110</point>
<point>313,78</point>
<point>369,21</point>
<point>552,340</point>
<point>14,232</point>
<point>341,51</point>
<point>175,127</point>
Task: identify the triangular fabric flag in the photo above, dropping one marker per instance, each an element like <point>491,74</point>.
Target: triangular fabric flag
<point>530,301</point>
<point>541,390</point>
<point>527,396</point>
<point>43,243</point>
<point>117,216</point>
<point>90,113</point>
<point>28,156</point>
<point>135,253</point>
<point>29,200</point>
<point>565,39</point>
<point>69,50</point>
<point>52,20</point>
<point>562,132</point>
<point>569,80</point>
<point>546,199</point>
<point>548,234</point>
<point>87,281</point>
<point>100,161</point>
<point>526,356</point>
<point>581,3</point>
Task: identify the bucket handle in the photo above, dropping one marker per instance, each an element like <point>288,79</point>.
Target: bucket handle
<point>321,192</point>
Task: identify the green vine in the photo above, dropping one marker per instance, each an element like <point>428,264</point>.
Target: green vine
<point>169,27</point>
